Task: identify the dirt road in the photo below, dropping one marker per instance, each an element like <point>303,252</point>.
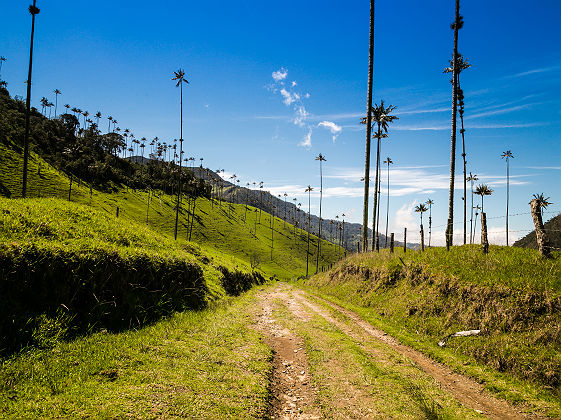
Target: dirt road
<point>330,363</point>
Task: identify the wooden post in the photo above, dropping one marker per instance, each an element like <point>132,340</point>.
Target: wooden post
<point>422,239</point>
<point>377,243</point>
<point>405,240</point>
<point>391,242</point>
<point>484,238</point>
<point>117,212</point>
<point>541,236</point>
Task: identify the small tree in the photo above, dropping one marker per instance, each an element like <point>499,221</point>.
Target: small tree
<point>536,205</point>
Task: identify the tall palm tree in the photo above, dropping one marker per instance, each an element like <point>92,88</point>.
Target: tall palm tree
<point>476,208</point>
<point>309,191</point>
<point>543,202</point>
<point>110,118</point>
<point>388,162</point>
<point>368,129</point>
<point>456,26</point>
<point>381,115</point>
<point>471,178</point>
<point>97,117</point>
<point>321,159</point>
<point>483,190</point>
<point>56,92</point>
<point>33,10</point>
<point>421,208</point>
<point>462,64</point>
<point>44,102</point>
<point>180,77</point>
<point>430,203</point>
<point>2,59</point>
<point>67,108</point>
<point>507,155</point>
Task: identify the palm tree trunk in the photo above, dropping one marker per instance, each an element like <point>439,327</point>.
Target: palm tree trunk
<point>471,228</point>
<point>320,199</point>
<point>507,197</point>
<point>484,236</point>
<point>33,11</point>
<point>450,224</point>
<point>374,219</point>
<point>465,175</point>
<point>541,236</point>
<point>308,252</point>
<point>388,207</point>
<point>368,131</point>
<point>179,174</point>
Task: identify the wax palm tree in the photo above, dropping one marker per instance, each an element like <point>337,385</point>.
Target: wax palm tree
<point>50,105</point>
<point>67,108</point>
<point>309,191</point>
<point>543,202</point>
<point>44,101</point>
<point>471,178</point>
<point>537,204</point>
<point>56,92</point>
<point>507,155</point>
<point>321,159</point>
<point>381,115</point>
<point>179,75</point>
<point>33,10</point>
<point>421,208</point>
<point>85,114</point>
<point>430,203</point>
<point>476,208</point>
<point>388,162</point>
<point>2,59</point>
<point>97,117</point>
<point>456,26</point>
<point>462,64</point>
<point>483,190</point>
<point>368,122</point>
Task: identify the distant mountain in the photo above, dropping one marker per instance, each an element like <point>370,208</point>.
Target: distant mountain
<point>553,230</point>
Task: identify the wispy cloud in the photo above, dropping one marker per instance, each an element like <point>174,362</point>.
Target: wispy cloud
<point>307,140</point>
<point>501,111</point>
<point>331,126</point>
<point>534,71</point>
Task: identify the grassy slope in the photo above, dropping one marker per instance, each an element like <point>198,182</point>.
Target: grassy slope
<point>511,294</point>
<point>195,364</point>
<point>217,229</point>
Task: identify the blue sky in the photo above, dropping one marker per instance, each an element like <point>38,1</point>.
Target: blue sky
<point>273,84</point>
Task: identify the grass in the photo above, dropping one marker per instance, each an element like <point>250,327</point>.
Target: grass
<point>195,364</point>
<point>225,230</point>
<point>513,295</point>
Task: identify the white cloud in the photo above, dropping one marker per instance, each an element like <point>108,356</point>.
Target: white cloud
<point>307,140</point>
<point>280,74</point>
<point>331,126</point>
<point>300,115</point>
<point>289,97</point>
<point>293,84</point>
<point>404,218</point>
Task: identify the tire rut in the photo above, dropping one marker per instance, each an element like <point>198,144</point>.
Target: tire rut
<point>292,391</point>
<point>465,390</point>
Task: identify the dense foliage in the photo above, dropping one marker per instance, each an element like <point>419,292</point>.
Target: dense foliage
<point>83,151</point>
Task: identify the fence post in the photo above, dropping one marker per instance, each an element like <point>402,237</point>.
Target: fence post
<point>117,212</point>
<point>405,240</point>
<point>422,238</point>
<point>391,242</point>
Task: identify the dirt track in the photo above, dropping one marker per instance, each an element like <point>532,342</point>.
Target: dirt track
<point>294,394</point>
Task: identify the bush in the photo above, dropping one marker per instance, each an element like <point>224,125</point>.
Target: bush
<point>94,288</point>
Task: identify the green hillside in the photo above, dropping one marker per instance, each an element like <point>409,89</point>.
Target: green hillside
<point>511,294</point>
<point>226,228</point>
